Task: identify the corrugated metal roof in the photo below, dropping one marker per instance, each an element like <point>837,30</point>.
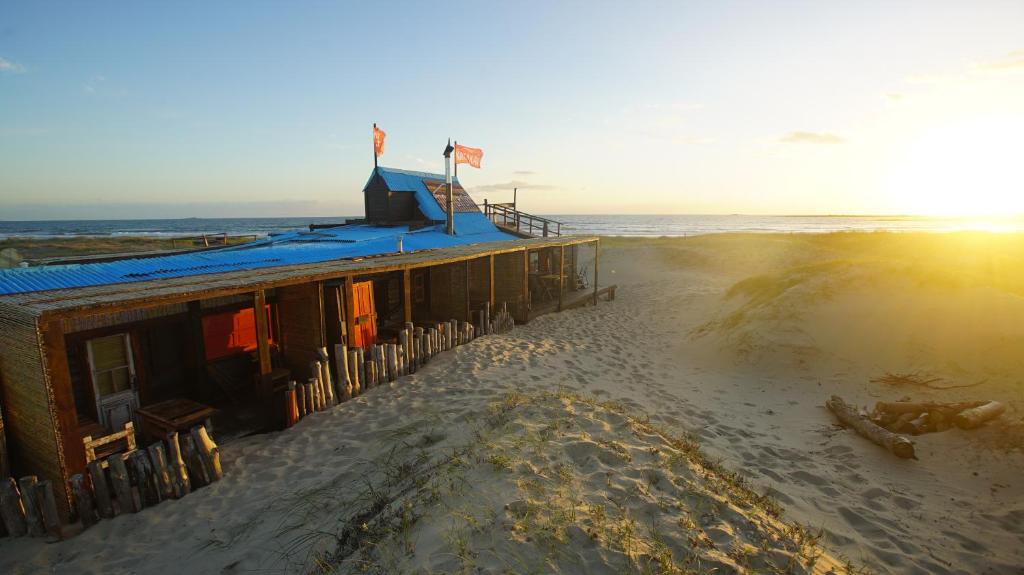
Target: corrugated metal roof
<point>409,181</point>
<point>299,247</point>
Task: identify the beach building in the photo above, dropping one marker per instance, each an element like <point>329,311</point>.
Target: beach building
<point>148,345</point>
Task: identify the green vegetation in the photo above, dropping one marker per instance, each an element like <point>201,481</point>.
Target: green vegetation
<point>33,249</point>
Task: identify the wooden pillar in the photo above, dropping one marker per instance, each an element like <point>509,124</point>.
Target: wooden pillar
<point>526,286</point>
<point>5,466</point>
<point>65,415</point>
<point>262,330</point>
<point>465,266</point>
<point>350,313</point>
<point>322,308</point>
<point>561,274</point>
<point>197,347</point>
<point>490,281</point>
<point>597,257</point>
<point>407,294</point>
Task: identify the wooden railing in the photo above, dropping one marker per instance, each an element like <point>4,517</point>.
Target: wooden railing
<point>508,217</point>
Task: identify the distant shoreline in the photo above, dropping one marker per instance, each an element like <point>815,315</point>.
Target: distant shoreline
<point>610,225</point>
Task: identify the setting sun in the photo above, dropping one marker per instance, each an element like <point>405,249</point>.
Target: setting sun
<point>968,168</point>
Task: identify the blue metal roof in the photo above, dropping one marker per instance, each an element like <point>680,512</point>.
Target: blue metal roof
<point>409,181</point>
<point>298,247</point>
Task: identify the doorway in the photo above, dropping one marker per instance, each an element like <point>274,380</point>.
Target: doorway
<point>113,378</point>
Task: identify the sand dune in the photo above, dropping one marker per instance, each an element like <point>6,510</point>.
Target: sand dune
<point>568,445</point>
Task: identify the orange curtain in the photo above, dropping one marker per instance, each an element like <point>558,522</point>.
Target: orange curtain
<point>467,155</point>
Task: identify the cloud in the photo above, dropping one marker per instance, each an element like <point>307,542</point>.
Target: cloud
<point>525,173</point>
<point>1013,62</point>
<point>509,185</point>
<point>811,138</point>
<point>9,67</point>
<point>93,84</point>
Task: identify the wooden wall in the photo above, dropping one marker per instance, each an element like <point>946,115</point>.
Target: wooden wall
<point>34,428</point>
<point>508,283</point>
<point>479,283</point>
<point>5,465</point>
<point>448,292</point>
<point>300,315</point>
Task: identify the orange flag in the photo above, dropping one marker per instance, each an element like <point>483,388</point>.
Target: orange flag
<point>378,141</point>
<point>467,155</point>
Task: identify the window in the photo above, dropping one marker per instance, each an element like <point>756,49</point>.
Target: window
<point>111,363</point>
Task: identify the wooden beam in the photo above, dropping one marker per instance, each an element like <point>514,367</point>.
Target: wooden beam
<point>407,294</point>
<point>323,313</point>
<point>350,312</point>
<point>490,282</point>
<point>561,275</point>
<point>465,267</point>
<point>197,346</point>
<point>64,413</point>
<point>5,464</point>
<point>262,330</point>
<point>597,257</point>
<point>526,286</point>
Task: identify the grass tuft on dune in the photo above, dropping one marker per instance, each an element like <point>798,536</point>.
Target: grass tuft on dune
<point>556,482</point>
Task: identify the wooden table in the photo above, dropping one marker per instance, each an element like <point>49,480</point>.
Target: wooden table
<point>159,419</point>
<point>550,284</point>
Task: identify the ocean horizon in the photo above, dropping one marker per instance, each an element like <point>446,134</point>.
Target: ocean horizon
<point>572,224</point>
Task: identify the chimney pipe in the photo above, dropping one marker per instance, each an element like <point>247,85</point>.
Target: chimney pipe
<point>450,227</point>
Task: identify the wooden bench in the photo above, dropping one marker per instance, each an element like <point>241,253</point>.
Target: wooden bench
<point>105,445</point>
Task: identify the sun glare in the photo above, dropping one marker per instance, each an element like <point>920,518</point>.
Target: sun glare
<point>972,168</point>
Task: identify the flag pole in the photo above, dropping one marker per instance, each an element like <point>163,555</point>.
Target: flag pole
<point>374,142</point>
<point>450,227</point>
<point>456,161</point>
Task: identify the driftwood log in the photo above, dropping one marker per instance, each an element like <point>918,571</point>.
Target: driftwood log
<point>141,471</point>
<point>901,407</point>
<point>83,500</point>
<point>353,367</point>
<point>12,510</point>
<point>127,499</point>
<point>300,398</point>
<point>100,489</point>
<point>403,352</point>
<point>848,415</point>
<point>344,379</point>
<point>179,471</point>
<point>161,471</point>
<point>974,417</point>
<point>27,488</point>
<point>197,472</point>
<point>209,452</point>
<point>361,367</point>
<point>48,508</point>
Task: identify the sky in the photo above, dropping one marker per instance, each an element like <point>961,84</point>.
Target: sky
<point>220,109</point>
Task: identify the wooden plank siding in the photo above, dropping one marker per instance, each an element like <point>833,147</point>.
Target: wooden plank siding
<point>300,313</point>
<point>33,430</point>
<point>448,292</point>
<point>5,462</point>
<point>479,283</point>
<point>509,281</point>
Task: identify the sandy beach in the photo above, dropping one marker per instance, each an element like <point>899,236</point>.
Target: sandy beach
<point>570,445</point>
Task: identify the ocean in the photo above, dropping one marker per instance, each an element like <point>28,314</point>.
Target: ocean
<point>617,225</point>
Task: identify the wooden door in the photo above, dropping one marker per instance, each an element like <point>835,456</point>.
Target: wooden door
<point>365,314</point>
<point>164,376</point>
<point>112,369</point>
